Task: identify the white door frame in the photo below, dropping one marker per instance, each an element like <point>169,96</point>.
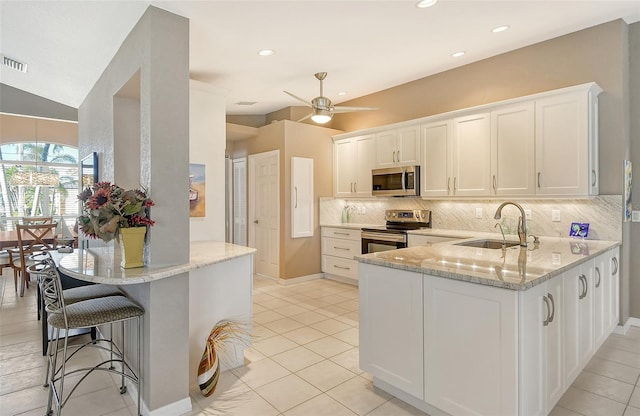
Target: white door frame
<point>251,214</point>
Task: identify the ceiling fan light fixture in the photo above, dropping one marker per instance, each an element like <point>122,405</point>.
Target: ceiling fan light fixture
<point>423,4</point>
<point>321,116</point>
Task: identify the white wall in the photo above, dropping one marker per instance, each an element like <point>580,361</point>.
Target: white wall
<point>207,141</point>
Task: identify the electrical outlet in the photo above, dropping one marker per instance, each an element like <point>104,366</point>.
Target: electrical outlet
<point>635,216</point>
<point>556,259</point>
<point>479,213</point>
<point>555,215</point>
<point>527,214</point>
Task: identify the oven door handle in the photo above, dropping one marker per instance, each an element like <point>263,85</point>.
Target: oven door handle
<point>394,238</point>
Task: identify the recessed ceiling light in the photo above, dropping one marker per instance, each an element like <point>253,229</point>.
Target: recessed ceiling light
<point>266,52</point>
<point>423,4</point>
<point>500,29</point>
<point>458,54</point>
<point>342,93</point>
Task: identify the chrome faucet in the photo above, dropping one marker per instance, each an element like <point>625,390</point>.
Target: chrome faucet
<point>522,221</point>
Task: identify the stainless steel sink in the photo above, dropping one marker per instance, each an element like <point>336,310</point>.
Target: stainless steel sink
<point>491,244</point>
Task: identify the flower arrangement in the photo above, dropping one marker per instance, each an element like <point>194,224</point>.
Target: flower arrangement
<point>106,208</point>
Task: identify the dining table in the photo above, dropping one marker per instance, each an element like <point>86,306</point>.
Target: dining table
<point>9,238</point>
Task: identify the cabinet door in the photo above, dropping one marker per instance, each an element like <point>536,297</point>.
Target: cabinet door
<point>386,149</point>
<point>512,150</point>
<point>365,162</point>
<point>534,312</point>
<point>471,155</point>
<point>302,218</point>
<point>614,274</point>
<point>391,327</point>
<point>436,158</point>
<point>554,377</point>
<point>562,156</point>
<point>344,168</point>
<point>470,347</point>
<point>408,146</point>
<point>601,298</point>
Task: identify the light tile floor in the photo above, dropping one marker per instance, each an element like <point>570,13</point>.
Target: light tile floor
<point>304,362</point>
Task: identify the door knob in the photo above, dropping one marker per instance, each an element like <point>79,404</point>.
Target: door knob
<point>255,221</point>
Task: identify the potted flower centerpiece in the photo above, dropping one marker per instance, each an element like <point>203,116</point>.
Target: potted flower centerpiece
<point>110,212</point>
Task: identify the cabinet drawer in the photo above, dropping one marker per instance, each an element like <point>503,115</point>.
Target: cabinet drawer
<point>340,267</point>
<point>344,233</point>
<point>341,248</point>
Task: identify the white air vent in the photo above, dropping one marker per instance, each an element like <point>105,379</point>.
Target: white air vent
<point>12,63</point>
<point>246,102</point>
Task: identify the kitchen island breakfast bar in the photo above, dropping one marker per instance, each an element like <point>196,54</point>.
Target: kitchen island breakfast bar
<point>182,303</point>
<point>457,328</point>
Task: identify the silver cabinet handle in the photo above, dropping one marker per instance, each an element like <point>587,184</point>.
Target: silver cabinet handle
<point>351,184</point>
<point>583,289</point>
<point>553,307</point>
<point>340,233</point>
<point>448,183</point>
<point>547,319</point>
<point>615,263</point>
<point>495,188</point>
<point>296,189</point>
<point>594,176</point>
<point>455,184</point>
<point>340,248</point>
<point>340,267</point>
<point>539,180</point>
<point>599,278</point>
<point>393,156</point>
<point>398,156</point>
<point>355,187</point>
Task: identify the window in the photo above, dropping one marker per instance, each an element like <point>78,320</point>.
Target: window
<point>38,178</point>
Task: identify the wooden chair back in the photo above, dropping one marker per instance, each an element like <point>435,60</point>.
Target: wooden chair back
<point>36,220</point>
<point>35,237</point>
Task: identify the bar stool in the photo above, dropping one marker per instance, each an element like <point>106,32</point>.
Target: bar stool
<point>85,314</point>
<point>70,294</point>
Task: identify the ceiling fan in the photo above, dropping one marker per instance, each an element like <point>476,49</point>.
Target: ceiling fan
<point>323,108</point>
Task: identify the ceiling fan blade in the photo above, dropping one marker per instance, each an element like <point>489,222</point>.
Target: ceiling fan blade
<point>346,109</point>
<point>298,98</point>
<point>305,117</point>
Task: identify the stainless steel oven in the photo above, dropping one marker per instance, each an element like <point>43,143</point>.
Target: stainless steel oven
<point>374,241</point>
<point>393,235</point>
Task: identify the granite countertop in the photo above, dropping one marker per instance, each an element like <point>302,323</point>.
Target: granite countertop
<point>351,225</point>
<point>516,268</point>
<point>102,265</point>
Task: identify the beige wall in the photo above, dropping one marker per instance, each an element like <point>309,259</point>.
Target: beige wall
<point>300,256</point>
<point>634,89</point>
<point>31,129</point>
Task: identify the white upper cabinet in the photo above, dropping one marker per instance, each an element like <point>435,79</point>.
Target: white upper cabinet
<point>302,218</point>
<point>437,139</point>
<point>512,150</point>
<point>398,147</point>
<point>353,159</point>
<point>566,137</point>
<point>544,144</point>
<point>471,155</point>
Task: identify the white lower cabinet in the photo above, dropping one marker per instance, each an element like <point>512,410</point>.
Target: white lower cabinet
<point>470,348</point>
<point>540,346</point>
<point>339,245</point>
<point>391,335</point>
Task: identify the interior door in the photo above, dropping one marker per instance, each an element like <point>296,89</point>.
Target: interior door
<point>240,201</point>
<point>264,211</point>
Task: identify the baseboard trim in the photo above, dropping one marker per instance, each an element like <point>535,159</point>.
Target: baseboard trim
<point>623,329</point>
<point>341,279</point>
<point>300,279</point>
<point>179,407</point>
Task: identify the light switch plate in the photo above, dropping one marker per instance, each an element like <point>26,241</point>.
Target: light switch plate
<point>635,216</point>
<point>555,215</point>
<point>479,213</point>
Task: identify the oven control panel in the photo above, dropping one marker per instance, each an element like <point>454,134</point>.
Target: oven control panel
<point>415,215</point>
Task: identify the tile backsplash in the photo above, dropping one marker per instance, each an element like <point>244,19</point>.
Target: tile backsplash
<point>603,213</point>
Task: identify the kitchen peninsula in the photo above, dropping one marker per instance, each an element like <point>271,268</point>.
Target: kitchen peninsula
<point>220,282</point>
<point>453,328</point>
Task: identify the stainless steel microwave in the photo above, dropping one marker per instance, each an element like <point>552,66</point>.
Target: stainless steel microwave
<point>400,181</point>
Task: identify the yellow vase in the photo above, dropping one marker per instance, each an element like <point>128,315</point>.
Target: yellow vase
<point>132,245</point>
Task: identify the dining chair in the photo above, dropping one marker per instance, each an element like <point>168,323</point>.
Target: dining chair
<point>36,220</point>
<point>31,238</point>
